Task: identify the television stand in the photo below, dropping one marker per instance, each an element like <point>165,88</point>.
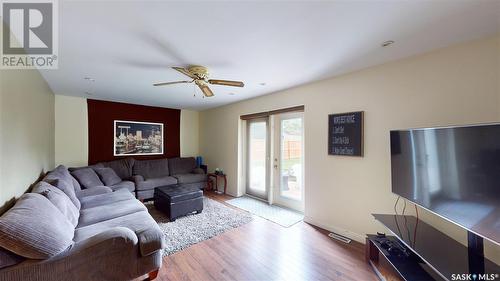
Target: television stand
<point>394,265</point>
<point>476,252</point>
<point>429,251</point>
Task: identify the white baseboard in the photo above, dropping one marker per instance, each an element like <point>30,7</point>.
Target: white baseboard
<point>344,232</point>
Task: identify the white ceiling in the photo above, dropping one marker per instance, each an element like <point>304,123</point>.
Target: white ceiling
<point>128,45</point>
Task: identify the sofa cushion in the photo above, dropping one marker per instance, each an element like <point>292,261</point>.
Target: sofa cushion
<point>63,173</point>
<point>76,184</point>
<point>145,194</point>
<point>87,177</point>
<point>34,228</point>
<point>92,191</point>
<point>59,199</point>
<point>108,176</point>
<point>184,165</point>
<point>106,198</point>
<point>109,211</point>
<point>150,169</point>
<point>62,179</point>
<point>141,223</point>
<point>152,183</point>
<point>198,171</point>
<point>122,167</point>
<point>128,185</point>
<point>190,178</point>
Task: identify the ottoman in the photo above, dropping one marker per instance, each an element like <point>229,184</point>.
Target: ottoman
<point>178,200</point>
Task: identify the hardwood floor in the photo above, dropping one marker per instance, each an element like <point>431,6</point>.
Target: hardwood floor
<point>262,250</point>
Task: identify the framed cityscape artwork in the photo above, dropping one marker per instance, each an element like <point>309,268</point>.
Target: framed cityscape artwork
<point>137,138</point>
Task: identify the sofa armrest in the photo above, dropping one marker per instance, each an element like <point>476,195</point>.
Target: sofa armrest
<point>137,178</point>
<point>110,255</point>
<point>151,240</point>
<point>117,237</point>
<point>96,190</point>
<point>198,171</point>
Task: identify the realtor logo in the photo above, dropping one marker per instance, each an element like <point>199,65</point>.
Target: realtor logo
<point>29,34</point>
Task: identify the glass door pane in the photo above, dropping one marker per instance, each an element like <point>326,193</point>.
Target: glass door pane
<point>257,156</point>
<point>291,158</point>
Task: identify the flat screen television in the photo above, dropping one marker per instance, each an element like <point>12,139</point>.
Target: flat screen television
<point>453,171</point>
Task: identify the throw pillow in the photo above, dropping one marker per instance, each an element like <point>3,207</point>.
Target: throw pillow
<point>181,165</point>
<point>87,177</point>
<point>59,199</point>
<point>34,228</point>
<point>122,167</point>
<point>61,179</point>
<point>108,176</point>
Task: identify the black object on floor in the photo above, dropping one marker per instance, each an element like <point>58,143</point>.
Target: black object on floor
<point>178,200</point>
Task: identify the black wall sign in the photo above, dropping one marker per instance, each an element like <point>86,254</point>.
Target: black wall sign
<point>345,134</point>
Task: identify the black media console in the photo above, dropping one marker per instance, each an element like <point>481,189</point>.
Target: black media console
<point>418,251</point>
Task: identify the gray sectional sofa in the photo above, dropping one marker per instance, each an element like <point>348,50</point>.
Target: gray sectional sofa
<point>141,177</point>
<point>86,224</point>
<point>60,231</point>
<point>149,174</point>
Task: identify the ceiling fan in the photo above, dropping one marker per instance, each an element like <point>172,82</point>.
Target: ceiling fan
<point>199,75</point>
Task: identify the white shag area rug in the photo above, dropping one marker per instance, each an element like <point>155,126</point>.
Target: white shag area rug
<point>215,219</point>
<point>281,216</point>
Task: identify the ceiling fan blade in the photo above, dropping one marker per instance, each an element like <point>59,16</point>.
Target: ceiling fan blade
<point>184,71</point>
<point>171,83</point>
<point>206,90</point>
<point>226,83</point>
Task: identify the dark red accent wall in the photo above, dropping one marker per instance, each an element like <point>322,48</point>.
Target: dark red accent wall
<point>101,117</point>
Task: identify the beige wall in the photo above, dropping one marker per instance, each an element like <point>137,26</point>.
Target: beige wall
<point>71,136</point>
<point>455,85</point>
<point>71,133</point>
<point>189,133</point>
<point>26,131</point>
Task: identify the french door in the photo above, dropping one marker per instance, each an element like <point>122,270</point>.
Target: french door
<point>257,175</point>
<point>288,160</point>
<point>279,137</point>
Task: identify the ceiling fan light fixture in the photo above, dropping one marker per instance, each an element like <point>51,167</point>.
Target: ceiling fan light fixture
<point>200,82</point>
<point>199,71</point>
<point>199,75</point>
